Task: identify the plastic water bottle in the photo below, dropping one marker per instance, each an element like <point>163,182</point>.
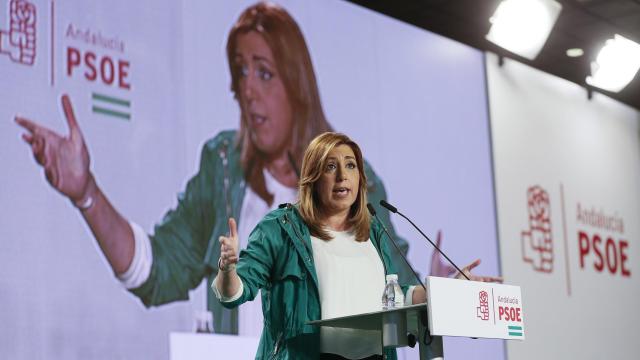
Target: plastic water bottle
<point>392,296</point>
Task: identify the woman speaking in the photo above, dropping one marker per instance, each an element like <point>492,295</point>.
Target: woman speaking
<point>320,258</point>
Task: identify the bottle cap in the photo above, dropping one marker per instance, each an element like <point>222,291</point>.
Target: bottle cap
<point>392,277</point>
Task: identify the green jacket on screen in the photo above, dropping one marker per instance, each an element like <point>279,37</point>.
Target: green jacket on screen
<point>279,261</point>
<point>185,244</point>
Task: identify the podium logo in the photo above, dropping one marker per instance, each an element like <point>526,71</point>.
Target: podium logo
<point>19,42</point>
<point>537,241</point>
<point>483,309</point>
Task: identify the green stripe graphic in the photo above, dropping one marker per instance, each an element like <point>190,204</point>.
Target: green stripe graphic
<point>515,330</point>
<point>119,114</point>
<point>110,99</point>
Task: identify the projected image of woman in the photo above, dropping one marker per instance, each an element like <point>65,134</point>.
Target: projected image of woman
<point>243,173</point>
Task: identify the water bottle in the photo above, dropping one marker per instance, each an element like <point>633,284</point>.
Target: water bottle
<point>392,296</point>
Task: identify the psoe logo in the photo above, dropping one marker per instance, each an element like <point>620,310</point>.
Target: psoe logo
<point>483,309</point>
<point>537,240</point>
<point>19,42</point>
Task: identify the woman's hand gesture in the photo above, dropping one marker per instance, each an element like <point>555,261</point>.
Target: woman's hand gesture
<point>229,248</point>
<point>467,271</point>
<point>65,159</point>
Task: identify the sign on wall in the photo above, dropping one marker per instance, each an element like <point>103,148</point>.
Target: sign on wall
<point>567,173</point>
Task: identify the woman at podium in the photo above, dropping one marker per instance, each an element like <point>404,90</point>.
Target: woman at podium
<point>320,258</point>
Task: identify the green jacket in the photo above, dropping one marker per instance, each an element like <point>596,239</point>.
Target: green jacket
<point>185,244</point>
<point>279,261</point>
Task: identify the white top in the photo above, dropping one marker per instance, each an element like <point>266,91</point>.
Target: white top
<point>252,211</point>
<point>351,281</point>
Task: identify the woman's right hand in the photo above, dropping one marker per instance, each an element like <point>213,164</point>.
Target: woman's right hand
<point>65,159</point>
<point>229,247</point>
<point>227,282</point>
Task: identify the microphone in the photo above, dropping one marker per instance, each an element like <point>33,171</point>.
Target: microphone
<point>388,206</point>
<point>394,210</point>
<point>374,214</point>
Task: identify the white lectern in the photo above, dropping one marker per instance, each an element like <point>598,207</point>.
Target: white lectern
<point>454,308</point>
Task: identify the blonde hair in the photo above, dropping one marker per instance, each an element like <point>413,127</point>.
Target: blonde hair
<point>293,62</point>
<point>313,165</point>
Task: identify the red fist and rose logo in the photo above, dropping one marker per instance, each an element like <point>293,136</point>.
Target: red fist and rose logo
<point>483,309</point>
<point>537,241</point>
<point>19,42</point>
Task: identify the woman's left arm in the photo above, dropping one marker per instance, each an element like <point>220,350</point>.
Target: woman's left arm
<point>482,278</point>
<point>420,296</point>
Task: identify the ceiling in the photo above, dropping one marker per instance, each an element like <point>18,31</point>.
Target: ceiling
<point>582,24</point>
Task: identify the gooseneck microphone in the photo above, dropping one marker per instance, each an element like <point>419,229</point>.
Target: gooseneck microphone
<point>394,210</point>
<point>374,214</point>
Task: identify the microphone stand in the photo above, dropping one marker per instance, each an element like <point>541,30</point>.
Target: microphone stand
<point>394,210</point>
<point>373,213</point>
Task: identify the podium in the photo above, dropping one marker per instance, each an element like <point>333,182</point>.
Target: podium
<point>453,308</point>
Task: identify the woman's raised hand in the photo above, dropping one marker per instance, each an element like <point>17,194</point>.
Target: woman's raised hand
<point>65,159</point>
<point>229,247</point>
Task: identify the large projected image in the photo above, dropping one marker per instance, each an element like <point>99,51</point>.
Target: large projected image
<point>238,90</point>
